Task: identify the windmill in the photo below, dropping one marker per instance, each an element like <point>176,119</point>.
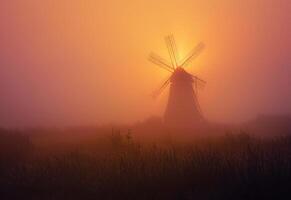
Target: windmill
<point>183,108</point>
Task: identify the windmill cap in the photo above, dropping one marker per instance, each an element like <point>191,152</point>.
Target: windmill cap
<point>181,75</point>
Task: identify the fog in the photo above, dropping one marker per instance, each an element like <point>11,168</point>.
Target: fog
<point>81,62</point>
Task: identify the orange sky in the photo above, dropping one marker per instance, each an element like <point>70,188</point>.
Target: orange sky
<point>65,62</point>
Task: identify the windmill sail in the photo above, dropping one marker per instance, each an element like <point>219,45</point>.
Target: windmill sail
<point>192,55</point>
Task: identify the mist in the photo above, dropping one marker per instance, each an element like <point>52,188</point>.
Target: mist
<point>68,63</point>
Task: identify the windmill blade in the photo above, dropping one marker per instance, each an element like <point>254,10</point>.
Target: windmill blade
<point>157,60</point>
<point>198,83</point>
<point>199,79</point>
<point>161,89</point>
<point>171,51</point>
<point>160,59</point>
<point>198,106</point>
<point>193,54</point>
<point>174,49</point>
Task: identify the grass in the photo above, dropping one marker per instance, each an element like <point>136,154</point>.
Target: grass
<point>224,167</point>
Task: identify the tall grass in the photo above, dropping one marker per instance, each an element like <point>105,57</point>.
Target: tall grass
<point>226,167</point>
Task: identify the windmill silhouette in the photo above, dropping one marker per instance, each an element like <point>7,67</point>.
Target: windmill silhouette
<point>183,109</point>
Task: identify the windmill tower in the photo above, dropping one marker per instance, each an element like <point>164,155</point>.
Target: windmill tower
<point>183,108</point>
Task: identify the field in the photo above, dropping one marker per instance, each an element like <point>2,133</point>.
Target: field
<point>117,165</point>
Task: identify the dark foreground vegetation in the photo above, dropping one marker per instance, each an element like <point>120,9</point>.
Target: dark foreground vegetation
<point>232,166</point>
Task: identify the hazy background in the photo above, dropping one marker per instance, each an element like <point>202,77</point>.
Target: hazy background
<point>74,62</point>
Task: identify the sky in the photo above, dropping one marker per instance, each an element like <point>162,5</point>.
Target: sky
<point>81,62</point>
